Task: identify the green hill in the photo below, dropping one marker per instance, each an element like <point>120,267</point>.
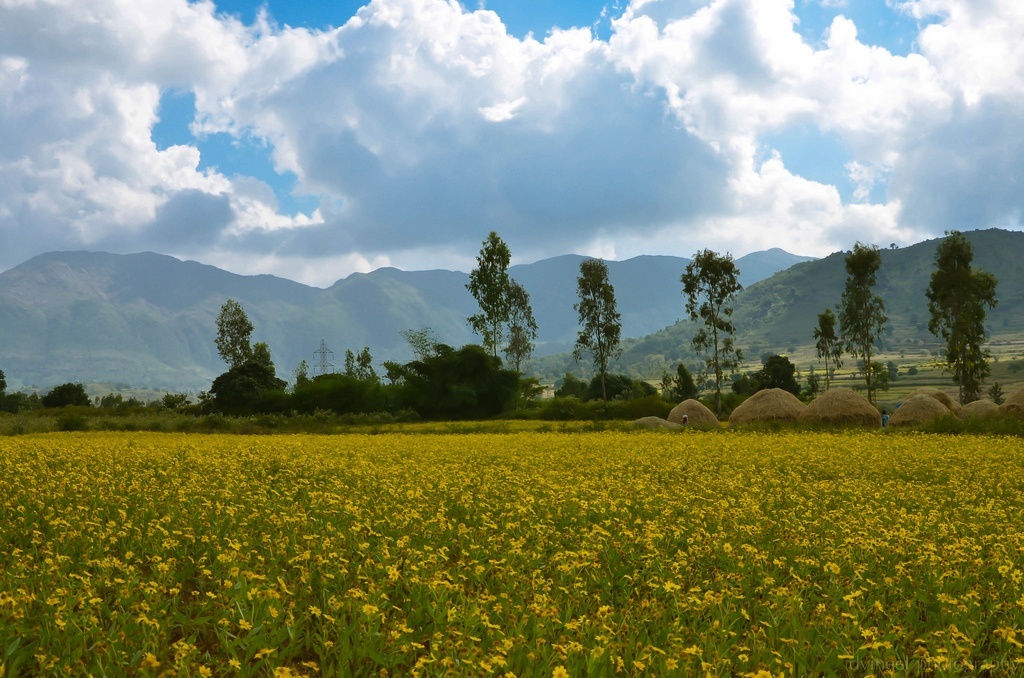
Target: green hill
<point>779,314</point>
<point>149,320</point>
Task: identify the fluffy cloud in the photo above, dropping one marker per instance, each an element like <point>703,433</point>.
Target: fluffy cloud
<point>431,126</point>
<point>419,126</point>
<point>80,85</point>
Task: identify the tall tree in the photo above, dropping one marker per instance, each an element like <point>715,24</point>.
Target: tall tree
<point>360,366</point>
<point>679,387</point>
<point>710,284</point>
<point>827,342</point>
<point>422,342</point>
<point>234,332</point>
<point>600,322</point>
<point>862,312</point>
<point>958,298</point>
<point>522,328</point>
<point>302,375</point>
<point>489,284</point>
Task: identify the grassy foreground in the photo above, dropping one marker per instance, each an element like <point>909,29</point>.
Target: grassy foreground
<point>526,554</point>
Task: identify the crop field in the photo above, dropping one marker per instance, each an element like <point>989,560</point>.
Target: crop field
<point>519,554</point>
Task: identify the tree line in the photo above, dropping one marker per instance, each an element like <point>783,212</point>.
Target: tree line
<point>442,381</point>
<point>472,381</point>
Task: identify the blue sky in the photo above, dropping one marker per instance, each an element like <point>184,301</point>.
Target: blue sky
<point>314,139</point>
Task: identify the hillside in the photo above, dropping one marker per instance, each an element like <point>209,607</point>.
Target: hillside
<point>149,320</point>
<point>779,314</point>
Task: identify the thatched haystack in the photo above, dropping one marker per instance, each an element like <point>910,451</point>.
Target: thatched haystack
<point>940,395</point>
<point>655,423</point>
<point>770,404</point>
<point>696,412</point>
<point>1014,404</point>
<point>980,409</point>
<point>918,409</point>
<point>842,407</point>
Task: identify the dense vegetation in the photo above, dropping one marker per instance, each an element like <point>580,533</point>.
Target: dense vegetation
<point>444,382</point>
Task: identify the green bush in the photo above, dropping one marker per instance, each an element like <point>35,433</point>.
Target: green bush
<point>72,421</point>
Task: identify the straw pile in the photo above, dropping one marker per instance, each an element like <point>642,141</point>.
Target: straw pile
<point>979,409</point>
<point>1014,404</point>
<point>940,395</point>
<point>655,423</point>
<point>843,407</point>
<point>770,404</point>
<point>696,412</point>
<point>918,409</point>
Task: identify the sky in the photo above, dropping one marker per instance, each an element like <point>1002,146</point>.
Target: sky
<point>315,139</point>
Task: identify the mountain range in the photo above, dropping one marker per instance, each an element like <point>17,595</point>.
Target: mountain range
<point>149,320</point>
<point>779,313</point>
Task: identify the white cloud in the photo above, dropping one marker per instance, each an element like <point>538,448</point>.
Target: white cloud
<point>80,88</point>
<point>976,46</point>
<point>431,125</point>
<point>420,126</point>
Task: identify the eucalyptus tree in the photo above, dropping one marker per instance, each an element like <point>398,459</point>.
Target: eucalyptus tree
<point>234,334</point>
<point>600,322</point>
<point>522,327</point>
<point>710,284</point>
<point>489,283</point>
<point>828,345</point>
<point>862,312</point>
<point>958,297</point>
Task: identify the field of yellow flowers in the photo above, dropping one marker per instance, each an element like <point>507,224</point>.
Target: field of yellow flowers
<point>526,554</point>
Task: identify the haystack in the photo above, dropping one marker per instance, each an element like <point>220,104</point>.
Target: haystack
<point>770,404</point>
<point>842,407</point>
<point>979,409</point>
<point>696,412</point>
<point>918,409</point>
<point>1014,404</point>
<point>940,395</point>
<point>655,423</point>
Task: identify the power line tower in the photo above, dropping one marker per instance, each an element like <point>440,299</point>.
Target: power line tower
<point>324,360</point>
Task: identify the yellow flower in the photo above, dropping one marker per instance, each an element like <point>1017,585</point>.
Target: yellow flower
<point>559,672</point>
<point>149,661</point>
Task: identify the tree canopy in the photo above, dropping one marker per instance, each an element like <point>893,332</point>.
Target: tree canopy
<point>234,333</point>
<point>600,322</point>
<point>489,284</point>
<point>958,297</point>
<point>861,312</point>
<point>828,345</point>
<point>710,284</point>
<point>456,383</point>
<point>66,395</point>
<point>778,372</point>
<point>680,386</point>
<point>522,328</point>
